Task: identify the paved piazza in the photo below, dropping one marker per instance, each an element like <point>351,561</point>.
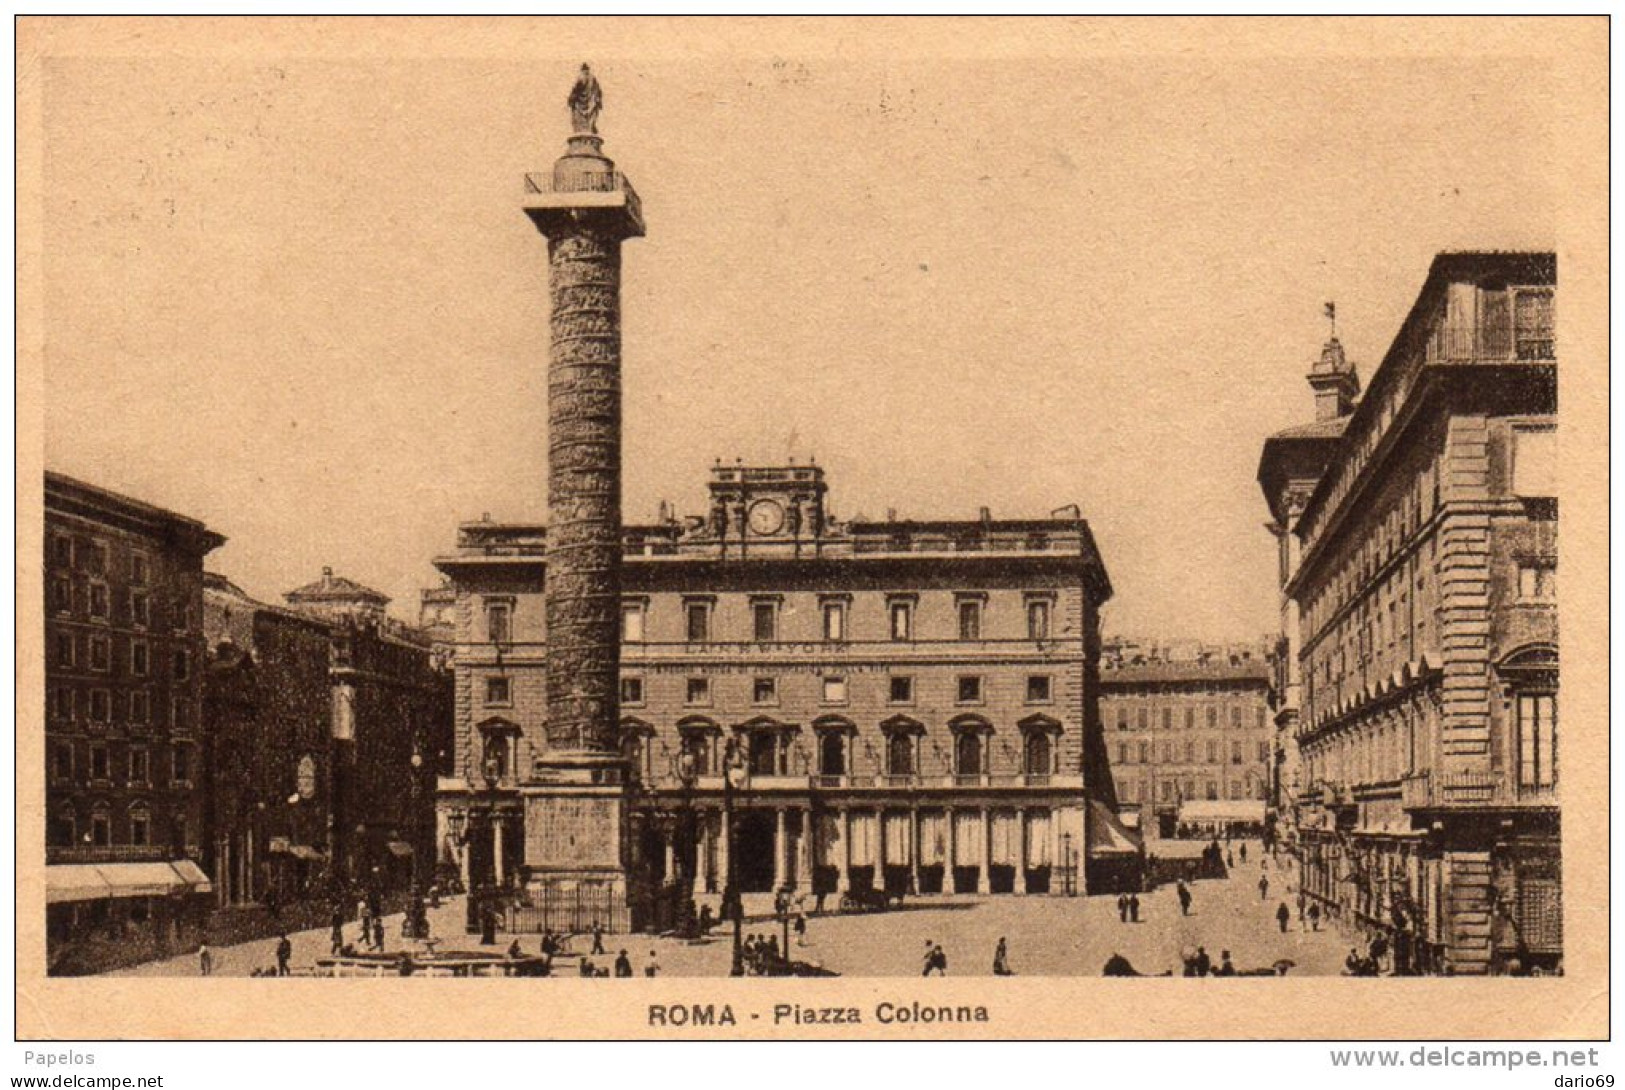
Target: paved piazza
<point>1048,936</point>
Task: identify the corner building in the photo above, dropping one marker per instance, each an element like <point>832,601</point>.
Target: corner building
<point>1425,591</point>
<point>914,701</point>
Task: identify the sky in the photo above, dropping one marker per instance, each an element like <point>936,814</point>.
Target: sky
<point>298,298</point>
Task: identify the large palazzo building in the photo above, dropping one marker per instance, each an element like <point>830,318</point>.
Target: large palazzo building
<point>914,702</point>
<point>1419,554</point>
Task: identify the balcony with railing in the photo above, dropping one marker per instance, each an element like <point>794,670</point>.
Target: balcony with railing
<point>611,188</point>
<point>1432,790</point>
<point>109,853</point>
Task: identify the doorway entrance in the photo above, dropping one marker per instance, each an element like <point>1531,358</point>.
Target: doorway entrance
<point>754,842</point>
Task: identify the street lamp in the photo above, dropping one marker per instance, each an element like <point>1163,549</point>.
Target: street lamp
<point>417,818</point>
<point>688,774</point>
<point>1066,862</point>
<point>733,779</point>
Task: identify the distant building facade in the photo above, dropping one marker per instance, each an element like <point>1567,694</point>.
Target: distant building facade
<point>331,723</point>
<point>914,702</point>
<point>1425,589</point>
<point>124,730</point>
<point>1188,735</point>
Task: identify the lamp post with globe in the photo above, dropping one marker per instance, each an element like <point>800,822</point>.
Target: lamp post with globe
<point>733,778</point>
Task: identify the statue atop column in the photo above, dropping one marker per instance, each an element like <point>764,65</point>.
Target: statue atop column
<point>585,102</point>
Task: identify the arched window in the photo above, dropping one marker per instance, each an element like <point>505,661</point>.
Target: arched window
<point>900,754</point>
<point>832,753</point>
<point>968,753</point>
<point>1038,755</point>
<point>496,755</point>
<point>64,827</point>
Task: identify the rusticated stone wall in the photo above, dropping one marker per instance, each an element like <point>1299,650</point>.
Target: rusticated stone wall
<point>584,490</point>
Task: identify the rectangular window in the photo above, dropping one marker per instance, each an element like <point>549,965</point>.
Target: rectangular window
<point>62,761</point>
<point>140,609</point>
<point>181,757</point>
<point>1038,689</point>
<point>1190,718</point>
<point>1167,718</point>
<point>62,551</point>
<point>698,618</point>
<point>1235,753</point>
<point>62,702</point>
<point>1122,753</point>
<point>1122,719</point>
<point>140,706</point>
<point>138,766</point>
<point>698,691</point>
<point>95,557</point>
<point>631,690</point>
<point>98,762</point>
<point>1212,718</point>
<point>140,828</point>
<point>101,706</point>
<point>970,689</point>
<point>1142,719</point>
<point>139,658</point>
<point>901,690</point>
<point>499,622</point>
<point>1038,620</point>
<point>1212,752</point>
<point>1264,752</point>
<point>1145,752</point>
<point>765,621</point>
<point>834,621</point>
<point>1190,752</point>
<point>970,619</point>
<point>1533,325</point>
<point>183,665</point>
<point>99,657</point>
<point>834,690</point>
<point>1537,740</point>
<point>764,690</point>
<point>498,691</point>
<point>62,594</point>
<point>1537,582</point>
<point>902,620</point>
<point>64,649</point>
<point>1235,718</point>
<point>632,622</point>
<point>98,600</point>
<point>139,569</point>
<point>179,716</point>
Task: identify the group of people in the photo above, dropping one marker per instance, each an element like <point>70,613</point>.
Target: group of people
<point>1369,963</point>
<point>1200,964</point>
<point>761,955</point>
<point>622,966</point>
<point>1128,907</point>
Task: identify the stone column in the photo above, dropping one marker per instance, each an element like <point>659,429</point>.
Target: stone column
<point>843,857</point>
<point>496,850</point>
<point>781,848</point>
<point>702,850</point>
<point>804,852</point>
<point>951,861</point>
<point>1021,851</point>
<point>724,845</point>
<point>880,848</point>
<point>914,849</point>
<point>984,837</point>
<point>670,860</point>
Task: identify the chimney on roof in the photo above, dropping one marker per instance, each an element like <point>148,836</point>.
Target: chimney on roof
<point>891,514</point>
<point>987,514</point>
<point>327,575</point>
<point>1334,381</point>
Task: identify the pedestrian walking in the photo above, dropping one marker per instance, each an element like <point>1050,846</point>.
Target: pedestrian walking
<point>623,965</point>
<point>1283,916</point>
<point>1204,963</point>
<point>1263,887</point>
<point>597,938</point>
<point>1244,851</point>
<point>1184,899</point>
<point>337,935</point>
<point>801,929</point>
<point>653,967</point>
<point>1001,959</point>
<point>284,954</point>
<point>1134,907</point>
<point>205,960</point>
<point>1314,915</point>
<point>1122,907</point>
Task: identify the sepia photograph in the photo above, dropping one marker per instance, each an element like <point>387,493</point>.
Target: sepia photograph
<point>722,503</point>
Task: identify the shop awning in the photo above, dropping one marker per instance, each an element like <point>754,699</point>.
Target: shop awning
<point>68,882</point>
<point>1239,810</point>
<point>1107,834</point>
<point>400,847</point>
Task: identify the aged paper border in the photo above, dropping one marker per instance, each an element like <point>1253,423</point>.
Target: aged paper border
<point>1570,1007</point>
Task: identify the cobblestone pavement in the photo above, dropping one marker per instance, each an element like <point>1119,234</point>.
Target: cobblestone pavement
<point>1047,936</point>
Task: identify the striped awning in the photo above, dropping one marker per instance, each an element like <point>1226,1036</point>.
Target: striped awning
<point>68,882</point>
